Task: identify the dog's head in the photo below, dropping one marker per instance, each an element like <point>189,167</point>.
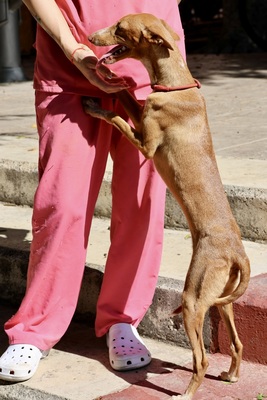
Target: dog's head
<point>134,34</point>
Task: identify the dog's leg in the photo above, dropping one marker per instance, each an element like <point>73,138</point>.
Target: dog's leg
<point>92,107</point>
<point>236,346</point>
<point>133,108</point>
<point>193,317</point>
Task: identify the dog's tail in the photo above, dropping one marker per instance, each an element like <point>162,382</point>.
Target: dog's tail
<point>244,268</point>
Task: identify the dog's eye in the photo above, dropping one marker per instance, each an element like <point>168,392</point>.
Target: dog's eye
<point>119,32</point>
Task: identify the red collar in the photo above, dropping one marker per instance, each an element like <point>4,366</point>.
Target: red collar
<point>161,88</point>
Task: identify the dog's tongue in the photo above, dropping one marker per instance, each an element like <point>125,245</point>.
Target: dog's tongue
<point>108,58</point>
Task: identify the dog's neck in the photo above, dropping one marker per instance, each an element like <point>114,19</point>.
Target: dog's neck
<point>167,67</point>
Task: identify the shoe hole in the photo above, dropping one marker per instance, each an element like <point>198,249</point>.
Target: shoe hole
<point>122,338</point>
<point>0,369</point>
<point>12,372</point>
<point>129,362</point>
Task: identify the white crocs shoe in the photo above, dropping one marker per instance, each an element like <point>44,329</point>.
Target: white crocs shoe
<point>126,349</point>
<point>20,362</point>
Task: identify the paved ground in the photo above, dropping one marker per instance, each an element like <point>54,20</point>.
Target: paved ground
<point>236,102</point>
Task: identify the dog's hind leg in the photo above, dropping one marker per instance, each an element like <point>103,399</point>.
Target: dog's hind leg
<point>193,316</point>
<point>236,346</point>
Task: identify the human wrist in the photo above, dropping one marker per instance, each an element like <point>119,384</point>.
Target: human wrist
<point>79,47</point>
<point>73,53</point>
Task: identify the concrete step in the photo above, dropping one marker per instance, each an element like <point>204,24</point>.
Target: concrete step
<point>15,237</point>
<point>18,181</point>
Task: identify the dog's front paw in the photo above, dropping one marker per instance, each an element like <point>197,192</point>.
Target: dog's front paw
<point>92,106</point>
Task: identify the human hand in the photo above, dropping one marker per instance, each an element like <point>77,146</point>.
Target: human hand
<point>98,74</point>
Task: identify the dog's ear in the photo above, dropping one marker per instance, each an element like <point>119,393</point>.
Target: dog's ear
<point>174,35</point>
<point>161,34</point>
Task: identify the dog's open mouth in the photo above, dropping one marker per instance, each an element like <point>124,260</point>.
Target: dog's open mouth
<point>115,54</point>
<point>105,74</point>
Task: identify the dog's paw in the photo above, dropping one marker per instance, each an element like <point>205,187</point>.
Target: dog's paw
<point>225,376</point>
<point>92,106</point>
<point>182,397</point>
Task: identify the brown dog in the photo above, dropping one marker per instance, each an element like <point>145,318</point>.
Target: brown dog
<point>172,128</point>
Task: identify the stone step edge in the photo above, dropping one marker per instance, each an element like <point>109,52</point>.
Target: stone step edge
<point>249,205</point>
<point>157,323</point>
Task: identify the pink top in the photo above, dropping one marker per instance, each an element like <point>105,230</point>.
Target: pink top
<point>55,73</point>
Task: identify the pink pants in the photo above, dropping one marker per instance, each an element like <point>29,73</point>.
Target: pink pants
<point>73,152</point>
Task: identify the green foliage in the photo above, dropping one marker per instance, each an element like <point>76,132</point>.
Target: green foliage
<point>261,396</point>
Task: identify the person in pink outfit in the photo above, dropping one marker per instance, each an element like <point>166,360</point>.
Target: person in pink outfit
<point>73,150</point>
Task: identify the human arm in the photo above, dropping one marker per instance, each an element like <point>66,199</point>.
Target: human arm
<point>51,19</point>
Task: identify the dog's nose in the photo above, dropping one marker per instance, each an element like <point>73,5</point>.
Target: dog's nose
<point>90,38</point>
